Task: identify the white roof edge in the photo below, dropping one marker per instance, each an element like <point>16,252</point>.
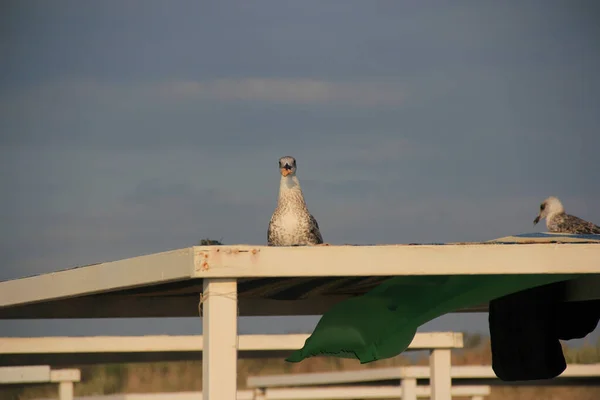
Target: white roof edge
<point>393,260</point>
<point>310,261</point>
<point>128,273</point>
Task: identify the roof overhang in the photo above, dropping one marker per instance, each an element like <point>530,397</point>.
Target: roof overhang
<point>278,280</point>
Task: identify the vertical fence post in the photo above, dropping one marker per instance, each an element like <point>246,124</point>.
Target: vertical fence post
<point>440,380</point>
<point>219,330</point>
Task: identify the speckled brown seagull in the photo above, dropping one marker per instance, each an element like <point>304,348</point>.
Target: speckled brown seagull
<point>292,224</point>
<point>557,221</point>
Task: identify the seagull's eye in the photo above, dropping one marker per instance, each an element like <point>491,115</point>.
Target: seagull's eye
<point>542,206</point>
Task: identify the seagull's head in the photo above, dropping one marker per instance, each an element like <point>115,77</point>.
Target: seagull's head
<point>287,166</point>
<point>550,206</point>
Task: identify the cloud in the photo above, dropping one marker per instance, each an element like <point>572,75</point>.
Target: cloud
<point>301,91</point>
<point>244,112</point>
<point>292,91</point>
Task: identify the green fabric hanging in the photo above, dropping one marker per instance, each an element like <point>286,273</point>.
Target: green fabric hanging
<point>382,323</point>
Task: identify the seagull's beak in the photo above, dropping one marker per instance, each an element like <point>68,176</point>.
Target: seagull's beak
<point>536,220</point>
<point>286,170</point>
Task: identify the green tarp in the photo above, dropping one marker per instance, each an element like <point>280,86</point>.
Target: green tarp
<point>383,322</point>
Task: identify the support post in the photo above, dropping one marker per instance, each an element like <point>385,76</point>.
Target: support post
<point>409,388</point>
<point>440,381</point>
<point>259,394</point>
<point>65,391</point>
<point>219,329</point>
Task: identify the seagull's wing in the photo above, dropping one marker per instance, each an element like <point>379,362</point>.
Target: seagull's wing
<point>270,233</point>
<point>315,232</point>
<point>573,224</point>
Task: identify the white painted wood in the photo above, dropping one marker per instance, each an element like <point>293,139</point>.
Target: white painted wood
<point>136,344</point>
<point>437,340</point>
<point>38,373</point>
<point>409,389</point>
<point>265,261</point>
<point>458,391</point>
<point>481,371</point>
<point>322,393</point>
<point>486,371</point>
<point>323,378</point>
<point>219,325</point>
<point>363,392</point>
<point>32,374</point>
<point>382,374</point>
<point>441,382</point>
<point>132,272</point>
<point>390,260</point>
<point>42,374</point>
<point>65,391</point>
<point>185,343</point>
<point>65,375</point>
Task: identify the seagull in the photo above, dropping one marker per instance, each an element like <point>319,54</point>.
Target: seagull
<point>292,224</point>
<point>558,221</point>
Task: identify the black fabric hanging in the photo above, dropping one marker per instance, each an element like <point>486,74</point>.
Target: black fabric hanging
<point>525,329</point>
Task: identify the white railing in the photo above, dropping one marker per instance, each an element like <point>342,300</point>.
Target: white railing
<point>407,375</point>
<point>42,374</point>
<point>323,393</point>
<point>438,343</point>
<point>187,343</point>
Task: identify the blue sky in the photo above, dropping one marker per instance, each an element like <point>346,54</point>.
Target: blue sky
<point>136,127</point>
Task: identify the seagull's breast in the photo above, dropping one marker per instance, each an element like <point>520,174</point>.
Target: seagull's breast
<point>290,221</point>
<point>290,227</point>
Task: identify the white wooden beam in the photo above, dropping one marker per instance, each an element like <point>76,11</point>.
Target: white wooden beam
<point>366,392</point>
<point>265,261</point>
<point>65,391</point>
<point>41,374</point>
<point>441,382</point>
<point>38,373</point>
<point>185,343</point>
<point>393,260</point>
<point>134,344</point>
<point>32,374</point>
<point>318,393</point>
<point>219,325</point>
<point>65,375</point>
<point>484,371</point>
<point>129,273</point>
<point>393,373</point>
<point>409,389</point>
<point>325,378</point>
